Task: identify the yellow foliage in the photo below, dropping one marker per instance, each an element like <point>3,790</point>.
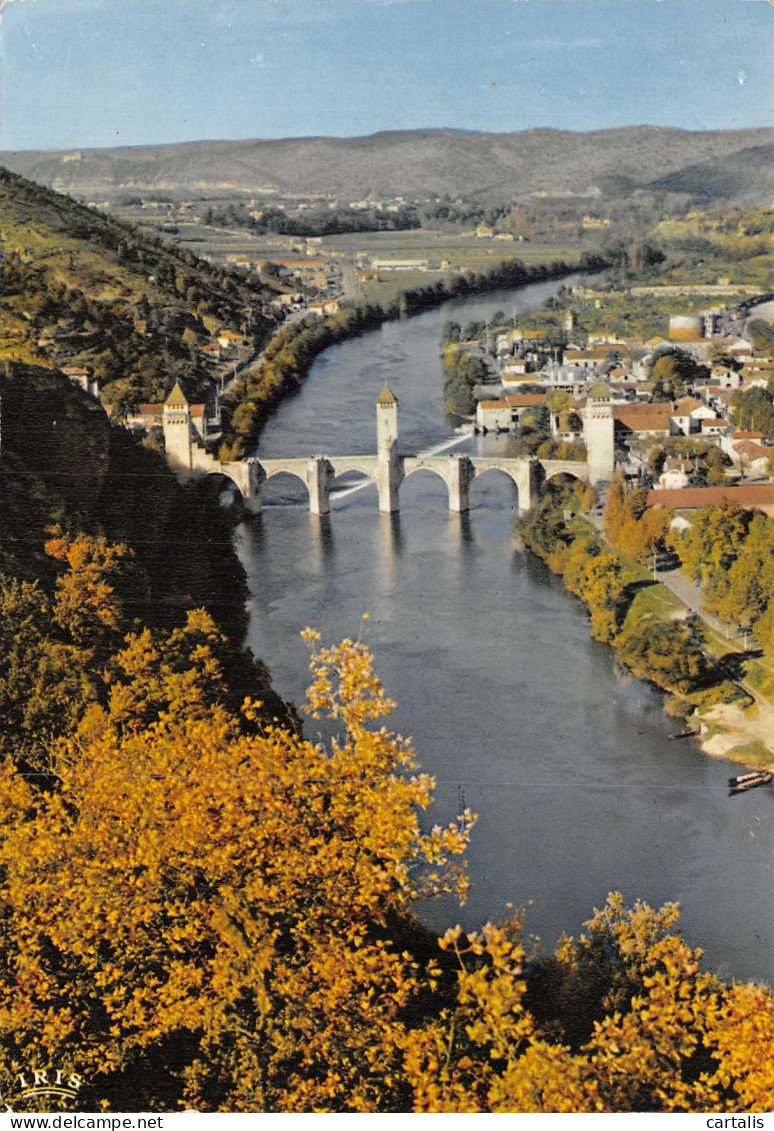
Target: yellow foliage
<point>191,884</point>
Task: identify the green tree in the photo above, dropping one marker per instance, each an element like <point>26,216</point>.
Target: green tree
<point>752,410</point>
<point>675,370</point>
<point>669,654</point>
<point>761,334</point>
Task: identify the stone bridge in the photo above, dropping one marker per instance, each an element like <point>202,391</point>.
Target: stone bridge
<point>387,469</point>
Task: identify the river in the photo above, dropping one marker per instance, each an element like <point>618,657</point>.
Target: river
<point>511,706</point>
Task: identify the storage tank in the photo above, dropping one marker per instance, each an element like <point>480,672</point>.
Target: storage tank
<point>686,327</point>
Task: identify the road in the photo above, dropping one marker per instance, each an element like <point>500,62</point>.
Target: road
<point>690,594</point>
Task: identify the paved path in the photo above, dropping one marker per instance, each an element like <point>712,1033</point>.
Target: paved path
<point>690,594</point>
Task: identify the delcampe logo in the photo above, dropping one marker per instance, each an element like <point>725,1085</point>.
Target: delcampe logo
<point>49,1082</point>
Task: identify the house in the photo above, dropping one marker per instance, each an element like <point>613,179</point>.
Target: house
<point>687,415</point>
<point>677,473</point>
<point>731,439</point>
<point>566,426</point>
<point>229,339</point>
<point>82,376</point>
<point>524,403</point>
<point>513,372</point>
<point>713,427</point>
<point>738,347</point>
<point>324,308</point>
<point>726,377</point>
<point>757,371</point>
<point>583,359</point>
<point>493,416</point>
<point>751,458</point>
<point>144,417</point>
<point>500,415</point>
<point>211,351</point>
<point>753,496</point>
<point>633,420</point>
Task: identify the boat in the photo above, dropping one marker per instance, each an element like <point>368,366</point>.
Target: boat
<point>742,782</point>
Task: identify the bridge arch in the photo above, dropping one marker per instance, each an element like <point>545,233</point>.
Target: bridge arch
<point>222,474</point>
<point>286,471</point>
<point>435,471</point>
<point>285,485</point>
<point>364,473</point>
<point>351,480</point>
<point>570,473</point>
<point>496,476</point>
<point>506,471</point>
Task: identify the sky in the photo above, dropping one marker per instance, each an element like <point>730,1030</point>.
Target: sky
<point>91,73</point>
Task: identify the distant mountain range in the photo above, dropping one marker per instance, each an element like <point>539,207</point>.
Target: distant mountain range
<point>713,167</point>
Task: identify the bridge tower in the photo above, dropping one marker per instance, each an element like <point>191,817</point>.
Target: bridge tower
<point>177,430</point>
<point>386,422</point>
<point>388,464</point>
<point>600,433</point>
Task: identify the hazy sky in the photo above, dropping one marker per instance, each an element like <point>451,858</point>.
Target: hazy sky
<point>128,72</point>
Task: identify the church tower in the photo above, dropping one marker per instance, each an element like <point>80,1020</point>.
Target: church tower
<point>600,433</point>
<point>177,430</point>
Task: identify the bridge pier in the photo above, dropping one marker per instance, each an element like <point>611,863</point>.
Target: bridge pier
<point>389,476</point>
<point>319,476</point>
<point>253,495</point>
<point>460,475</point>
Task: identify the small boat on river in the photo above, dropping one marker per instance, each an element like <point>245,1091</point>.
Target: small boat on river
<point>752,780</point>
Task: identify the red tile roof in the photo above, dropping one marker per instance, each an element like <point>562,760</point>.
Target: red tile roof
<point>525,400</point>
<point>757,496</point>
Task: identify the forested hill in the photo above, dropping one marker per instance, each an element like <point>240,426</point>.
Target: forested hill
<point>732,166</point>
<point>80,288</point>
<point>66,473</point>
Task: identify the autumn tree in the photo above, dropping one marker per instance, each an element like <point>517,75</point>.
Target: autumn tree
<point>632,526</point>
<point>621,1019</point>
<point>710,546</point>
<point>45,679</point>
<point>88,604</point>
<point>484,1052</point>
<point>669,653</point>
<point>662,1030</point>
<point>220,903</point>
<point>761,334</point>
<point>674,369</point>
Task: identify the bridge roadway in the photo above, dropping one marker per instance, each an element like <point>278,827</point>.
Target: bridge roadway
<point>387,470</point>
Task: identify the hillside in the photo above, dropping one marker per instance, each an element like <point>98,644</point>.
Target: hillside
<point>79,288</point>
<point>64,468</point>
<point>63,462</point>
<point>419,164</point>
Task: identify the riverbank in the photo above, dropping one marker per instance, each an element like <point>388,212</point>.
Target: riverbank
<point>657,636</point>
<point>285,362</point>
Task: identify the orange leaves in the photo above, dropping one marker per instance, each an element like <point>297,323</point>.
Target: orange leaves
<point>87,604</point>
<point>193,876</point>
<point>345,685</point>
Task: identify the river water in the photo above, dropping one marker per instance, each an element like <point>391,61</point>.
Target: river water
<point>511,706</point>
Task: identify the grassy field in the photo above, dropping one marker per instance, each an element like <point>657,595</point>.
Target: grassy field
<point>461,251</point>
